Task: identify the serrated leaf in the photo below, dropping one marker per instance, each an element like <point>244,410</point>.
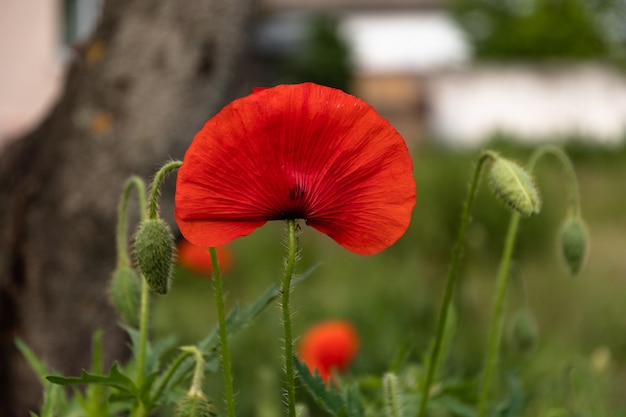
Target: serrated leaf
<point>39,367</point>
<point>238,320</point>
<point>114,379</point>
<point>354,403</point>
<point>327,397</point>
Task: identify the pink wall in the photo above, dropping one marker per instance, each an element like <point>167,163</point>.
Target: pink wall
<point>31,64</point>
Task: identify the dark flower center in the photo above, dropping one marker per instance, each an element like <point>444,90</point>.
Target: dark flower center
<point>296,193</point>
<point>296,208</point>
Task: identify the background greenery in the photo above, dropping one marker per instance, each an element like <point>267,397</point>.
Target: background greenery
<point>542,30</point>
<point>392,297</point>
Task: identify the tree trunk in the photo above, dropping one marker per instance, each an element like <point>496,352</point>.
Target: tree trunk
<point>135,95</point>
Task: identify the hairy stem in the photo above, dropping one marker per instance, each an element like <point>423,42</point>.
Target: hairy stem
<point>450,284</point>
<point>156,185</point>
<point>497,319</point>
<point>286,316</point>
<point>223,332</point>
<point>121,235</point>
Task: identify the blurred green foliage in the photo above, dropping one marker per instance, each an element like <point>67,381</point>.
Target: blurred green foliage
<point>579,360</point>
<point>322,58</point>
<point>544,29</point>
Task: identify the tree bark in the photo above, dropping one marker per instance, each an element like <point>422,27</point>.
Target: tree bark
<point>135,95</point>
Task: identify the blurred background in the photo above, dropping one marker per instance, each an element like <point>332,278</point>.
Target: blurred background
<point>454,77</point>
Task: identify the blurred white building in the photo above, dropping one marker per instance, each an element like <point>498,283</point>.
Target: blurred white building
<point>412,63</point>
<point>532,103</point>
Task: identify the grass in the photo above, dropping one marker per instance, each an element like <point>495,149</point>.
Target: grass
<point>392,297</point>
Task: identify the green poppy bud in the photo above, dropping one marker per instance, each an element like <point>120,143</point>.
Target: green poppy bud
<point>515,187</point>
<point>195,405</point>
<point>574,243</point>
<point>391,391</point>
<point>154,250</point>
<point>524,331</point>
<point>125,294</point>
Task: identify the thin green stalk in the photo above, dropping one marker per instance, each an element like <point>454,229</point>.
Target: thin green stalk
<point>144,313</point>
<point>286,291</point>
<point>156,184</point>
<point>123,261</point>
<point>145,290</point>
<point>221,318</point>
<point>198,373</point>
<point>450,283</point>
<point>497,320</point>
<point>170,374</point>
<point>121,236</point>
<point>574,194</point>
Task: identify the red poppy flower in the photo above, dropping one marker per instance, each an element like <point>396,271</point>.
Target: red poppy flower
<point>297,151</point>
<point>329,345</point>
<point>197,258</point>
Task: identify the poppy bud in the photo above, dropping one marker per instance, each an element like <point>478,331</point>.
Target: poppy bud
<point>524,331</point>
<point>514,186</point>
<point>574,243</point>
<point>391,390</point>
<point>329,345</point>
<point>195,405</point>
<point>125,294</point>
<point>154,250</point>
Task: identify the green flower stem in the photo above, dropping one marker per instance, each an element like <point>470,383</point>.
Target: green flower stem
<point>451,282</point>
<point>574,194</point>
<point>198,373</point>
<point>180,359</point>
<point>285,292</point>
<point>138,184</point>
<point>156,185</point>
<point>144,313</point>
<point>221,317</point>
<point>121,238</point>
<point>497,320</point>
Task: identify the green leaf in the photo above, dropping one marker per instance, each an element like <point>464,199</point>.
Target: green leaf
<point>514,405</point>
<point>327,397</point>
<point>238,320</point>
<point>354,403</point>
<point>39,367</point>
<point>114,379</point>
<point>456,406</point>
<point>55,401</point>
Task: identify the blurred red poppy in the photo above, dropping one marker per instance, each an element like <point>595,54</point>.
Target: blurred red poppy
<point>329,345</point>
<point>300,151</point>
<point>197,258</point>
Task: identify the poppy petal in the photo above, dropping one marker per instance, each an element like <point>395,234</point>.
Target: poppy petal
<point>297,151</point>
